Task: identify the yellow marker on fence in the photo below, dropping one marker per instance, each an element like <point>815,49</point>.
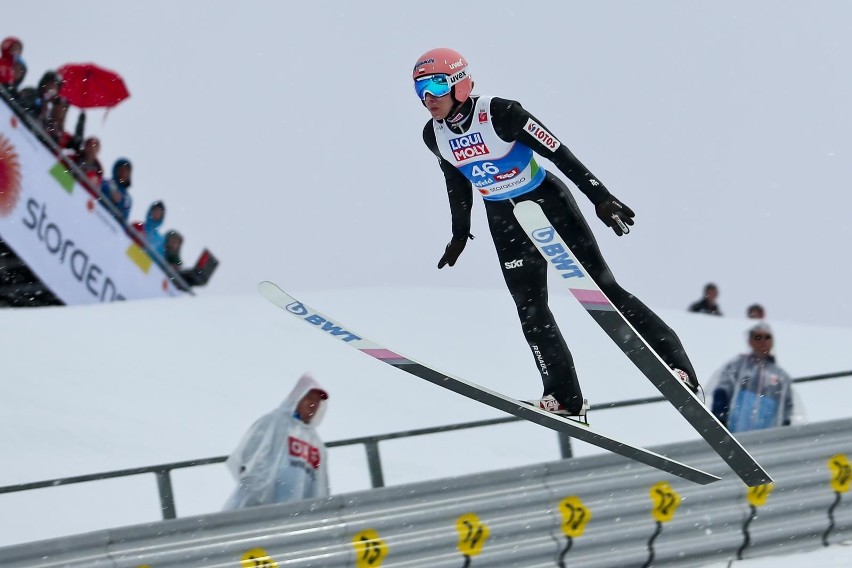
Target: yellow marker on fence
<point>666,501</point>
<point>472,534</point>
<point>757,496</point>
<point>371,549</point>
<point>257,558</point>
<point>841,473</point>
<point>575,515</point>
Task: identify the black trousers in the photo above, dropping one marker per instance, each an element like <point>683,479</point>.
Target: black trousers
<point>525,272</point>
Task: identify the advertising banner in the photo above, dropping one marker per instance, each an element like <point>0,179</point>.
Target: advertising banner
<point>58,228</point>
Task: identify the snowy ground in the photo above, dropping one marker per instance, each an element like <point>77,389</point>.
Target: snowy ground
<point>116,386</point>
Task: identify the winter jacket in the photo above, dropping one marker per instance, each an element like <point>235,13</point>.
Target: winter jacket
<point>281,458</point>
<point>125,201</point>
<point>151,229</point>
<point>7,61</point>
<point>702,306</point>
<point>752,394</point>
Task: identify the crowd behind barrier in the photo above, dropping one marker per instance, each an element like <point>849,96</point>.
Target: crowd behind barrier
<point>43,109</point>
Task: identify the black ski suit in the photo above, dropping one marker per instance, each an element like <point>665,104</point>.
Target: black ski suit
<point>527,279</point>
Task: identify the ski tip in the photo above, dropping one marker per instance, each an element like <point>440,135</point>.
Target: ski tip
<point>265,285</point>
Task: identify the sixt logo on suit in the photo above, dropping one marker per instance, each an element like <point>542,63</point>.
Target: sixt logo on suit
<point>567,266</point>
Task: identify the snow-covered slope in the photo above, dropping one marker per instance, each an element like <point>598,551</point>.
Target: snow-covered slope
<point>133,384</point>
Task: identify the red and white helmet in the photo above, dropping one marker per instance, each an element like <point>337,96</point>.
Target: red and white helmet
<point>445,61</point>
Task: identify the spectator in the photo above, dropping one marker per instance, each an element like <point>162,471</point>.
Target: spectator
<point>173,244</point>
<point>282,458</point>
<point>707,305</point>
<point>150,228</point>
<point>37,101</point>
<point>87,161</point>
<point>54,126</point>
<point>20,72</point>
<point>116,190</point>
<point>755,311</point>
<point>171,252</point>
<point>10,50</point>
<point>752,391</point>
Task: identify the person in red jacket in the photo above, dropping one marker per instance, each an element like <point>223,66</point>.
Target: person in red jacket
<point>10,50</point>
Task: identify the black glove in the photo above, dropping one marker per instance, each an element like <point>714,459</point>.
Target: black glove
<point>453,250</point>
<point>615,214</point>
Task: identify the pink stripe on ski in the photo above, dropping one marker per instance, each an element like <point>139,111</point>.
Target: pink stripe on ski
<point>590,296</point>
<point>382,354</point>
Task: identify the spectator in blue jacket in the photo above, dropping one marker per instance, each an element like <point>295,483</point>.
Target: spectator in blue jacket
<point>753,392</point>
<point>150,228</point>
<point>115,190</point>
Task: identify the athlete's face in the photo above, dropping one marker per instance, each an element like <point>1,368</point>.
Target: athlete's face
<point>439,107</point>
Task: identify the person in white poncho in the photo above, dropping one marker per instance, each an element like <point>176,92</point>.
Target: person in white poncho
<point>282,458</point>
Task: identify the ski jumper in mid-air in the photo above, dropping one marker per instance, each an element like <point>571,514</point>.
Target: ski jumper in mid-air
<point>490,143</point>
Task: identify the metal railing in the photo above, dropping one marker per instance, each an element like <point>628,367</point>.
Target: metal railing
<point>370,443</point>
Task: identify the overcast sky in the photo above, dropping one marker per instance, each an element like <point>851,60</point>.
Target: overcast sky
<point>286,136</point>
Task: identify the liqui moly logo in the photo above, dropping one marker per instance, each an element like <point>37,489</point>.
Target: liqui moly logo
<point>557,254</point>
<point>466,147</point>
<point>328,326</point>
<point>542,135</point>
<point>302,450</point>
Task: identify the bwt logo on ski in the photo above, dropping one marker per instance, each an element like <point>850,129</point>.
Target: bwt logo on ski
<point>557,254</point>
<point>542,135</point>
<point>507,175</point>
<point>299,309</point>
<point>470,146</point>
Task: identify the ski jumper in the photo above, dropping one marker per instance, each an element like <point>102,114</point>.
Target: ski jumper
<point>493,149</point>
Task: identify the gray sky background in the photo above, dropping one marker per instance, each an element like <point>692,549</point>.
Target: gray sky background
<point>286,136</point>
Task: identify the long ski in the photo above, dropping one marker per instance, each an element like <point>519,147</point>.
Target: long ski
<point>476,392</point>
<point>581,285</point>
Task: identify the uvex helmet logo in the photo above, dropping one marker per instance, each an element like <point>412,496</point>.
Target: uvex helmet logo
<point>456,77</point>
<point>297,308</point>
<point>10,177</point>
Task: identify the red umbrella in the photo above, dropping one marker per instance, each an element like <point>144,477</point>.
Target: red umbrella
<point>86,85</point>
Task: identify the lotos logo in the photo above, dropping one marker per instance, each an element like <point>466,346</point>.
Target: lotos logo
<point>299,309</point>
<point>507,175</point>
<point>557,254</point>
<point>483,116</point>
<point>542,135</point>
<point>303,450</point>
<point>10,177</point>
<point>466,147</point>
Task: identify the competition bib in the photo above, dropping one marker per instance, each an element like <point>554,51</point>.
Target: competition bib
<point>496,168</point>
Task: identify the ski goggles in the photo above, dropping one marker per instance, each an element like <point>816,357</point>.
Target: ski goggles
<point>436,85</point>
